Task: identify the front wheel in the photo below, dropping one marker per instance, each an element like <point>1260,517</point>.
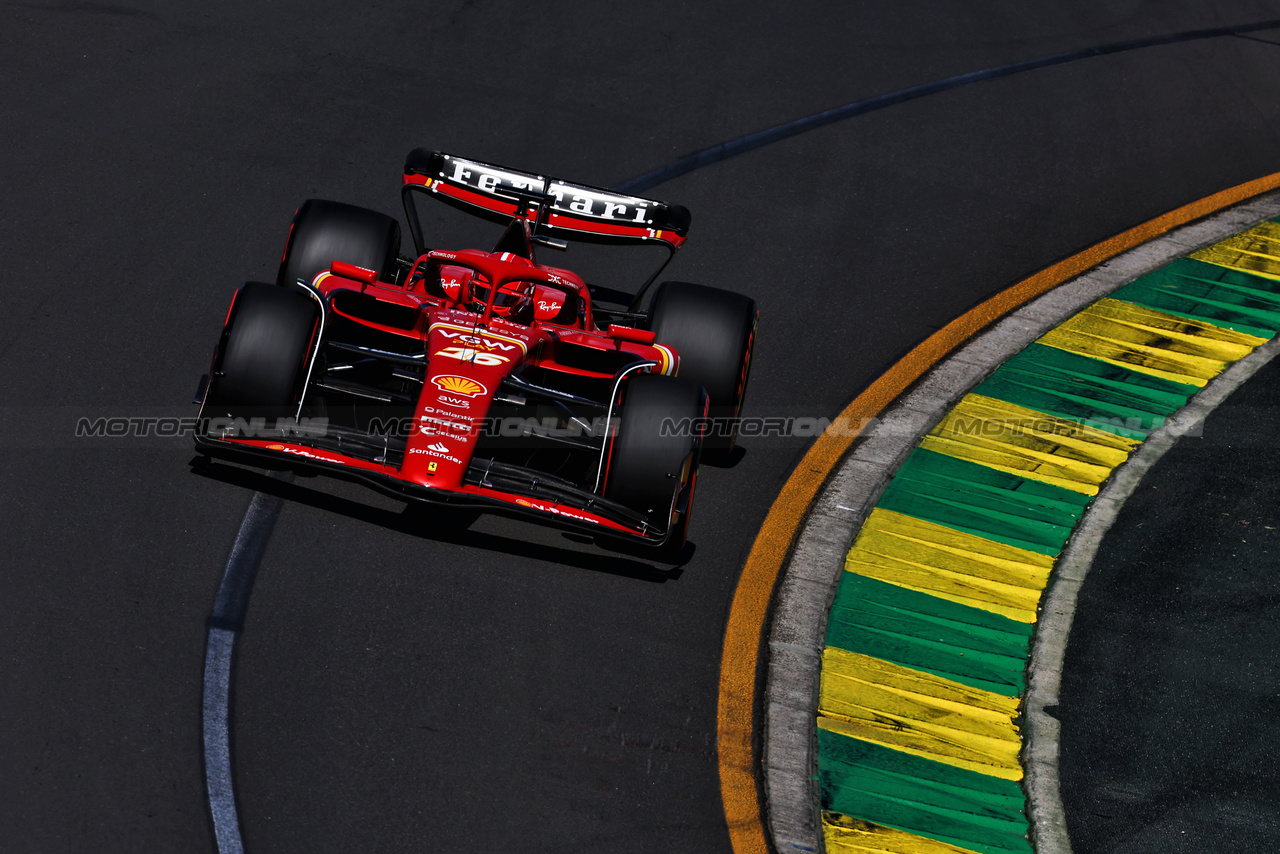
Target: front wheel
<point>263,353</point>
<point>324,232</point>
<point>714,333</point>
<point>653,459</point>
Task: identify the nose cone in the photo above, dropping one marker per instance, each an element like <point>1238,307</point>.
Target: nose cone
<point>465,365</point>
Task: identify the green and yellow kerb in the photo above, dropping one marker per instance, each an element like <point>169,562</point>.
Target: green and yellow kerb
<point>928,638</point>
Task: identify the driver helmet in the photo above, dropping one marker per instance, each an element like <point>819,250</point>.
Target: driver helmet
<point>514,300</point>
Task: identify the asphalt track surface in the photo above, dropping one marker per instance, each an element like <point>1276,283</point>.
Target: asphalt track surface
<point>498,687</point>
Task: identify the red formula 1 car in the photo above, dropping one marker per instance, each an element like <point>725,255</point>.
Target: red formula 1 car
<point>485,379</point>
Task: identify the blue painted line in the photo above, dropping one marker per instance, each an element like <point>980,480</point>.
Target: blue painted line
<point>246,554</point>
<point>228,619</point>
<point>217,741</point>
<point>751,142</point>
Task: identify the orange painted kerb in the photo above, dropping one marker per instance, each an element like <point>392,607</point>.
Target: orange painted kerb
<point>744,632</point>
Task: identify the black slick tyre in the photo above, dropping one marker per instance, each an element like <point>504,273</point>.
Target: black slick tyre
<point>263,353</point>
<point>653,470</point>
<point>324,232</point>
<point>713,331</point>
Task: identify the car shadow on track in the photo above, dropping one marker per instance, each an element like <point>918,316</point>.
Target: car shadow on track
<point>441,524</point>
<point>731,461</point>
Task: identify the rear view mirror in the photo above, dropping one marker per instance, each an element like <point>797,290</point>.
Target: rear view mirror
<point>551,242</point>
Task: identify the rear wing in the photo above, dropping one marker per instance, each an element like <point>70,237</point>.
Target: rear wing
<point>579,211</point>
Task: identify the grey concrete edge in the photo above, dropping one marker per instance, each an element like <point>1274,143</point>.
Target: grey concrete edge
<point>809,577</point>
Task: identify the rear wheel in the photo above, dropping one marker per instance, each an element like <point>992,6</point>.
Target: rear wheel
<point>653,461</point>
<point>324,232</point>
<point>263,353</point>
<point>713,331</point>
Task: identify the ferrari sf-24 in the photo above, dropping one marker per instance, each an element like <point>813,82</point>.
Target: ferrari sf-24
<point>486,379</point>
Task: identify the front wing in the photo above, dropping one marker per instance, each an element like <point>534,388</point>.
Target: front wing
<point>491,486</point>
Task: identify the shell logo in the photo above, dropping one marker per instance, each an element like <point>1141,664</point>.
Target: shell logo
<point>460,385</point>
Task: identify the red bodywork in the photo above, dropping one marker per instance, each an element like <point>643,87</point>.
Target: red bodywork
<point>469,350</point>
<point>471,323</point>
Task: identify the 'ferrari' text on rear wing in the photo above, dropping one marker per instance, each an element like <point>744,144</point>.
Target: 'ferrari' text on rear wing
<point>578,210</point>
